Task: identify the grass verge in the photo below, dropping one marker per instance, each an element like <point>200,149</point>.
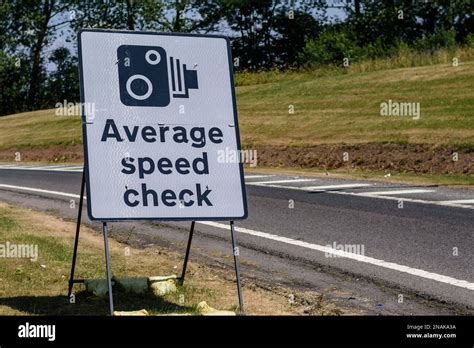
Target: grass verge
<point>40,288</point>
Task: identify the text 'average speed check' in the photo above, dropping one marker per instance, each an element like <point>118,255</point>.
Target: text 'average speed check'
<point>163,110</point>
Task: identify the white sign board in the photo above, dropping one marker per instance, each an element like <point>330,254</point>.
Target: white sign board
<point>161,138</point>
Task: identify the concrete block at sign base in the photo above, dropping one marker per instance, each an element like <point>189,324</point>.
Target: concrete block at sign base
<point>162,285</point>
<point>136,285</point>
<point>141,312</point>
<point>204,309</point>
<point>161,278</point>
<point>98,287</point>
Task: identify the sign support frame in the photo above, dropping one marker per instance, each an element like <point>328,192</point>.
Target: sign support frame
<point>86,182</point>
<point>73,281</point>
<point>107,266</point>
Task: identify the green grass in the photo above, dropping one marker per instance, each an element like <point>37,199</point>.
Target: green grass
<point>331,106</point>
<point>6,223</point>
<point>39,129</point>
<point>38,288</point>
<point>345,108</point>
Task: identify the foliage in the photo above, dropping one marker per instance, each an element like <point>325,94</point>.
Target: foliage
<point>36,72</point>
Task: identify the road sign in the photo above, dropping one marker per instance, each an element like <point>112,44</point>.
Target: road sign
<point>160,111</point>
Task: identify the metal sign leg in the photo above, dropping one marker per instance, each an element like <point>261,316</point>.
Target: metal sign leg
<point>107,265</point>
<point>237,268</point>
<point>188,248</point>
<point>76,241</point>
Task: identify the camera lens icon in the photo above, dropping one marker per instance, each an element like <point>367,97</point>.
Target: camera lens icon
<point>149,57</point>
<point>145,79</point>
<point>144,76</point>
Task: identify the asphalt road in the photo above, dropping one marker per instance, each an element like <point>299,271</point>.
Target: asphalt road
<point>413,246</point>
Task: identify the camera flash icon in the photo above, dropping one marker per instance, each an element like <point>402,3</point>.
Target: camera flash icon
<point>147,77</point>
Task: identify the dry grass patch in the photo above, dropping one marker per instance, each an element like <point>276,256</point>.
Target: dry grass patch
<point>40,288</point>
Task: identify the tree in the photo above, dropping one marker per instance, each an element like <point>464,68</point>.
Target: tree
<point>167,16</point>
<point>291,33</point>
<point>268,33</point>
<point>63,83</point>
<point>33,24</point>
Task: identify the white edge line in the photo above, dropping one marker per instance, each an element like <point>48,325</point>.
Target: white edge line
<point>334,187</point>
<point>250,176</point>
<point>370,260</point>
<point>328,188</point>
<point>459,201</point>
<point>66,169</point>
<point>32,189</point>
<point>50,169</point>
<point>395,192</point>
<point>281,181</point>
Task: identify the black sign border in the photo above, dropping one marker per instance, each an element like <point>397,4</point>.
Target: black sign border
<point>84,127</point>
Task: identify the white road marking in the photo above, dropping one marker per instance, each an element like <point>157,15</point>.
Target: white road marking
<point>332,187</point>
<point>257,176</point>
<point>13,166</point>
<point>46,168</point>
<point>327,189</point>
<point>322,188</point>
<point>67,169</point>
<point>25,167</point>
<point>280,181</point>
<point>52,167</point>
<point>32,189</point>
<point>413,200</point>
<point>459,201</point>
<point>370,260</point>
<point>395,192</point>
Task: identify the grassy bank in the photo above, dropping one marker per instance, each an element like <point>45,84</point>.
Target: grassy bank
<point>300,109</point>
<point>329,107</point>
<point>345,108</point>
<point>39,129</point>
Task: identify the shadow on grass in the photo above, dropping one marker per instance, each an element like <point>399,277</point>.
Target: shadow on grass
<point>86,304</point>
